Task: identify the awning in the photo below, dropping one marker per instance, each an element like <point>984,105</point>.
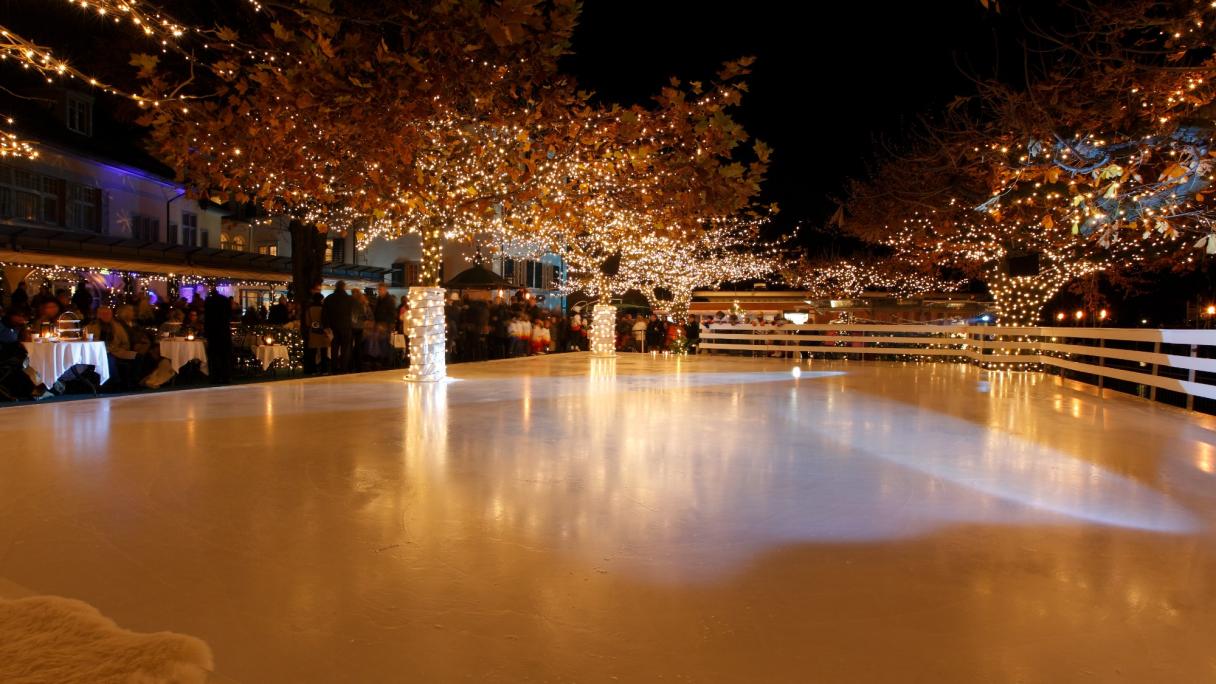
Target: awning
<point>82,249</point>
<point>117,264</point>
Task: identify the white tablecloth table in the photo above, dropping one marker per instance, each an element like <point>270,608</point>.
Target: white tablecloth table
<point>53,359</point>
<point>181,351</point>
<point>267,354</point>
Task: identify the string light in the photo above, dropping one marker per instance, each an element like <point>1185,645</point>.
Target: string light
<point>14,147</point>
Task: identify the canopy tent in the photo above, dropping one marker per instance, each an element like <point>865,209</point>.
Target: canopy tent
<point>478,277</point>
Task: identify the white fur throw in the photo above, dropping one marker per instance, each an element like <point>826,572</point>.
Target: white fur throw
<point>48,639</point>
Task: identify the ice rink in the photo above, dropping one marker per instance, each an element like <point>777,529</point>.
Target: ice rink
<point>564,518</point>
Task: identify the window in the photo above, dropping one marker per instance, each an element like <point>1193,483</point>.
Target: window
<point>238,243</point>
<point>145,228</point>
<point>189,229</point>
<point>80,115</point>
<point>83,208</point>
<point>171,234</point>
<point>31,196</point>
<point>404,274</point>
<point>224,241</point>
<point>269,249</point>
<point>335,253</point>
<point>252,299</point>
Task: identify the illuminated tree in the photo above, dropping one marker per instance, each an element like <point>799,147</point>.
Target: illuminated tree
<point>631,185</point>
<point>667,271</point>
<point>1113,134</point>
<point>826,278</point>
<point>344,112</point>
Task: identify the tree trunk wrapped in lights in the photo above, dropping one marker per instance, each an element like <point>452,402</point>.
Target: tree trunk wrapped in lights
<point>426,325</point>
<point>603,330</point>
<point>1019,300</point>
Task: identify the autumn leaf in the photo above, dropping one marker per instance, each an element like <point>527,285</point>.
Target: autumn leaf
<point>763,151</point>
<point>1048,223</point>
<point>1173,171</point>
<point>1208,243</point>
<point>146,63</point>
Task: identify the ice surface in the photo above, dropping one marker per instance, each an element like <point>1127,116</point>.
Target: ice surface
<point>569,518</point>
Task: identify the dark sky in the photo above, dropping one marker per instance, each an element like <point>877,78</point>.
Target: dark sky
<point>826,81</point>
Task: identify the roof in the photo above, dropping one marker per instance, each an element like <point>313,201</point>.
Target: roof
<point>51,246</point>
<point>478,277</point>
<point>113,142</point>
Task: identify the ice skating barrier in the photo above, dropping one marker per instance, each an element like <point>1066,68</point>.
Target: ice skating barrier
<point>1179,361</point>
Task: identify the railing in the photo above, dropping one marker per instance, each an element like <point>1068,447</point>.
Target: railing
<point>1138,360</point>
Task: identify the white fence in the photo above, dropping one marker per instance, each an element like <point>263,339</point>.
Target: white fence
<point>1175,360</point>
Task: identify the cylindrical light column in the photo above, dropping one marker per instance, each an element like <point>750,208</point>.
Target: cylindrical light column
<point>603,330</point>
<point>428,338</point>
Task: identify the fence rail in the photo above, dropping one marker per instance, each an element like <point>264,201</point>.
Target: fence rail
<point>1182,361</point>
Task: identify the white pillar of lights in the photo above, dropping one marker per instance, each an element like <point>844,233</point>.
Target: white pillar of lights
<point>427,331</point>
<point>603,330</point>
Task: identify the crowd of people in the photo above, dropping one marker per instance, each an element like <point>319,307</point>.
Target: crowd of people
<point>131,328</point>
<point>481,329</point>
<point>345,331</point>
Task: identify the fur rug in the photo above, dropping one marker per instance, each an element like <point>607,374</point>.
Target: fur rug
<point>48,639</point>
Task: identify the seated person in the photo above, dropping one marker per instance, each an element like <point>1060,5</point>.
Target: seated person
<point>173,324</point>
<point>17,379</point>
<point>48,314</point>
<point>106,328</point>
<point>192,324</point>
<point>140,342</point>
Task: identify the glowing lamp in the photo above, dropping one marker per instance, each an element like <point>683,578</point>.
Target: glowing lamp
<point>189,336</point>
<point>1060,316</point>
<point>1079,314</point>
<point>1211,310</point>
<point>1102,315</point>
<point>269,340</point>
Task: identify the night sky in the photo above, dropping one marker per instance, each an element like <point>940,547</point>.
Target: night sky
<point>826,81</point>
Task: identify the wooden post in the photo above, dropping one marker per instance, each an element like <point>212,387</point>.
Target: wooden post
<point>1152,392</point>
<point>1190,376</point>
<point>1101,364</point>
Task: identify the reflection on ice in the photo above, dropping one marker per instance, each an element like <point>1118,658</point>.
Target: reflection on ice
<point>671,469</point>
<point>692,474</point>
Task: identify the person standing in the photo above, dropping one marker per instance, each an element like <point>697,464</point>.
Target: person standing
<point>639,333</point>
<point>386,308</point>
<point>278,314</point>
<point>656,333</point>
<point>82,299</point>
<point>20,297</point>
<point>336,315</point>
<point>361,319</point>
<point>217,328</point>
<point>317,339</point>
